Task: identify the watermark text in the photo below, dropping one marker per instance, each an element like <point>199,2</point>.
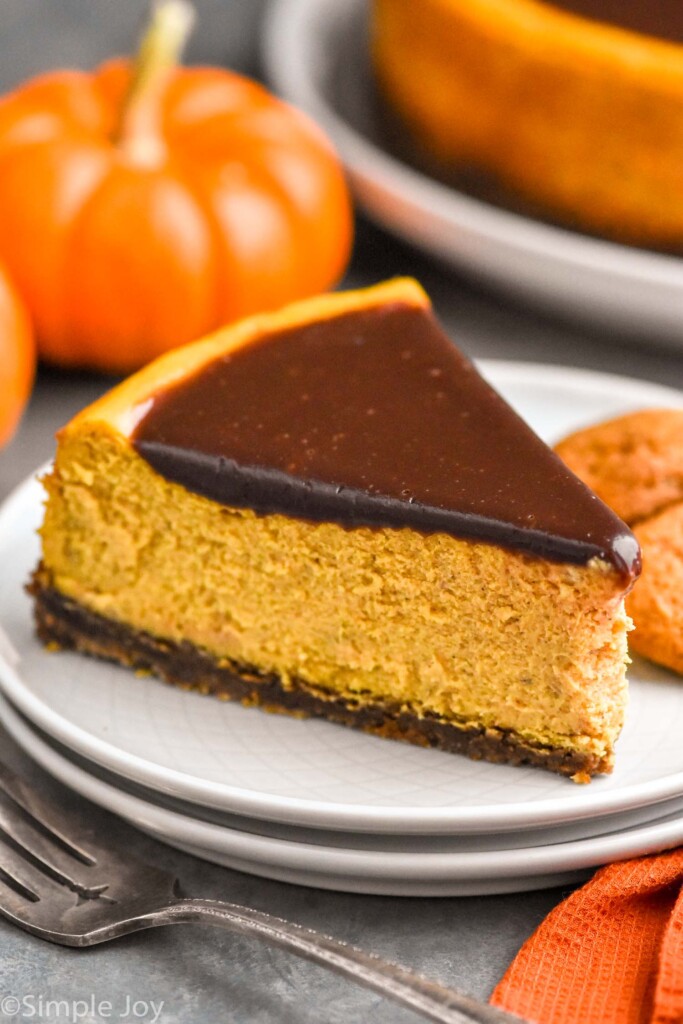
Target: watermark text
<point>41,1008</point>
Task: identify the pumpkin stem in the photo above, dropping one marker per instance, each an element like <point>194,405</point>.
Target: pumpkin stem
<point>139,132</point>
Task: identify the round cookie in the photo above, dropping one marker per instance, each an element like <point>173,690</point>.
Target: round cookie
<point>634,463</point>
<point>656,602</point>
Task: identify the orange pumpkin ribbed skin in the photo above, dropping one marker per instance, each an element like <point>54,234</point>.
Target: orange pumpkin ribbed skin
<point>122,254</point>
<point>17,358</point>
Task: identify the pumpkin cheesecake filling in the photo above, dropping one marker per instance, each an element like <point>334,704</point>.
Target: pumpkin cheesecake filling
<point>570,111</point>
<point>420,630</point>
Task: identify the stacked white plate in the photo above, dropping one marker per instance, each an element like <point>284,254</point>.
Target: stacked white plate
<point>318,804</point>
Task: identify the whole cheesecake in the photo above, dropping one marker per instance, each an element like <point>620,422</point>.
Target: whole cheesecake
<point>327,511</point>
<point>574,108</point>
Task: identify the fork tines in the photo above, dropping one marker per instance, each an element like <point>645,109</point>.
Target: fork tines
<point>30,837</point>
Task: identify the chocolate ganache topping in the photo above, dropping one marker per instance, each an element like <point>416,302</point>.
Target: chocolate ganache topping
<point>373,418</point>
<point>660,18</point>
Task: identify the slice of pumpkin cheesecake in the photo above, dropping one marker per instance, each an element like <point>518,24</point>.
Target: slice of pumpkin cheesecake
<point>327,511</point>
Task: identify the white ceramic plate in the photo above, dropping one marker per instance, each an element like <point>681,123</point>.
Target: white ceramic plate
<point>312,773</point>
<point>316,52</point>
<point>301,862</point>
<point>436,872</point>
<point>472,842</point>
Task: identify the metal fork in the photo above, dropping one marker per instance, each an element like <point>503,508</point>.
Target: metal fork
<point>58,881</point>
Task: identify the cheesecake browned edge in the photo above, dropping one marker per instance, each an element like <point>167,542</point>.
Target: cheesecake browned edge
<point>63,623</point>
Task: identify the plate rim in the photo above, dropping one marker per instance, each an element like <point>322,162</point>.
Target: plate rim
<point>355,817</point>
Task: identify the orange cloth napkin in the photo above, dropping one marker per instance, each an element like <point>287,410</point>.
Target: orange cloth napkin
<point>612,953</point>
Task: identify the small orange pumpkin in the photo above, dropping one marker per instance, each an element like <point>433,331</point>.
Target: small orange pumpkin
<point>17,358</point>
<point>142,206</point>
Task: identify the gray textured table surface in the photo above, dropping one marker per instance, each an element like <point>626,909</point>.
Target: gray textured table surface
<point>199,974</point>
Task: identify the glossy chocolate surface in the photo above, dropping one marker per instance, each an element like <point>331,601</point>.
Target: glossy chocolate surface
<point>373,418</point>
<point>661,18</point>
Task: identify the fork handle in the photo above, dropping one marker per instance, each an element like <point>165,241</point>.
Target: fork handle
<point>434,1001</point>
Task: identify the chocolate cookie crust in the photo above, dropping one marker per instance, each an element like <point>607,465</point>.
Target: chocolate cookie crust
<point>64,623</point>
